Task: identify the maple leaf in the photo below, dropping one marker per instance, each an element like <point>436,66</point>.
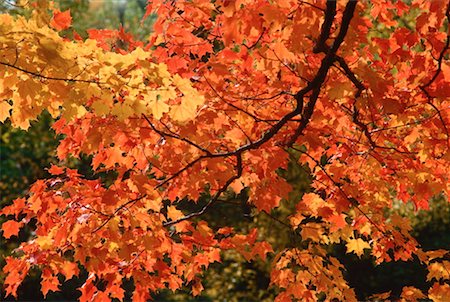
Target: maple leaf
<point>311,231</point>
<point>16,270</point>
<point>11,228</point>
<point>410,293</point>
<point>357,246</point>
<point>186,110</point>
<point>61,20</point>
<point>69,269</point>
<point>45,242</point>
<point>337,222</point>
<point>340,90</point>
<point>316,204</point>
<point>4,111</point>
<point>55,170</point>
<point>439,270</point>
<point>87,290</point>
<point>439,292</point>
<point>261,249</point>
<point>100,108</point>
<point>49,284</point>
<point>14,209</point>
<point>197,288</point>
<point>158,108</point>
<point>116,291</point>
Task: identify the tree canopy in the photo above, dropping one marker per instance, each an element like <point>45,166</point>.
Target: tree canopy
<point>219,100</point>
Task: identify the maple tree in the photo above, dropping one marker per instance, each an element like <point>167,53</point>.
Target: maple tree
<point>216,102</point>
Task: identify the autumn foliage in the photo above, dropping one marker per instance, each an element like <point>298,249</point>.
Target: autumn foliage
<point>214,103</point>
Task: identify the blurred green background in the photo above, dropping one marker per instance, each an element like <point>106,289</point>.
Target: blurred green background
<point>25,154</point>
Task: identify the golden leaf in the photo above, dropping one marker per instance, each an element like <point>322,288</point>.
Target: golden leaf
<point>357,246</point>
<point>4,111</point>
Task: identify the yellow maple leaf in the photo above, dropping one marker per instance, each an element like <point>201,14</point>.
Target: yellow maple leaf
<point>20,119</point>
<point>139,107</point>
<point>173,213</point>
<point>184,85</point>
<point>439,270</point>
<point>187,110</point>
<point>113,246</point>
<point>45,242</point>
<point>158,108</point>
<point>4,111</point>
<point>181,114</point>
<point>122,111</point>
<point>72,110</point>
<point>100,108</point>
<point>410,293</point>
<point>357,246</point>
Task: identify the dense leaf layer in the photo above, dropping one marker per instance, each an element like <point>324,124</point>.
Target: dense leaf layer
<point>217,101</point>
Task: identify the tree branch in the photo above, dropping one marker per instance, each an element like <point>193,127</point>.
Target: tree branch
<point>38,75</point>
<point>175,136</point>
<point>442,53</point>
<point>318,80</point>
<point>239,169</point>
<point>330,13</point>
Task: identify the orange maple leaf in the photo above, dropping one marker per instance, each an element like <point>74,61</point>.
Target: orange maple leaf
<point>61,20</point>
<point>11,228</point>
<point>69,269</point>
<point>55,170</point>
<point>51,284</point>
